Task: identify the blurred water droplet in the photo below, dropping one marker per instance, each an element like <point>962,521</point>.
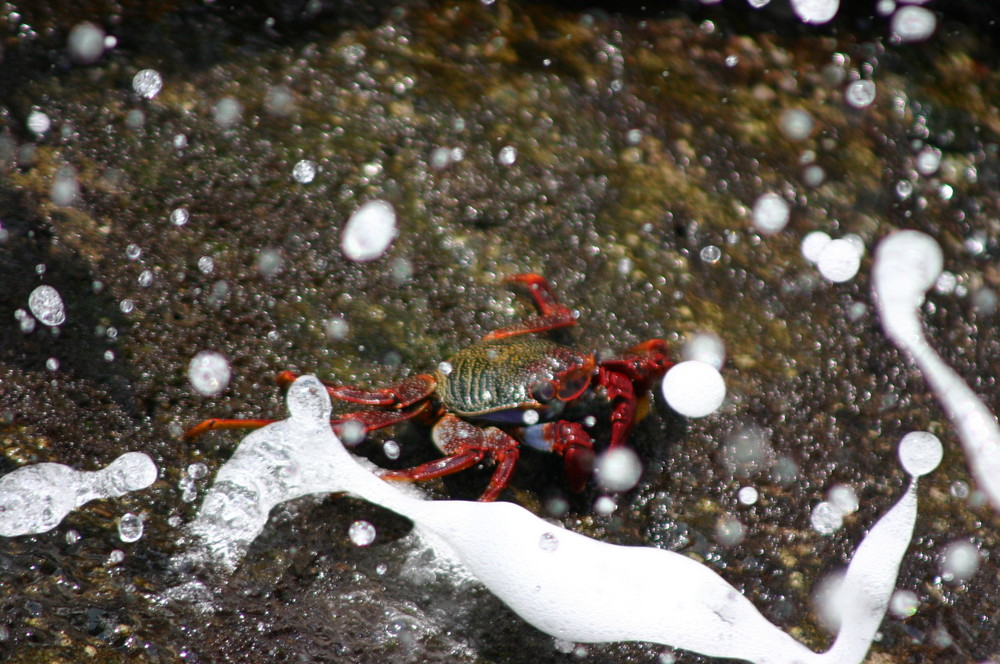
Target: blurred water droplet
<point>361,533</point>
<point>209,372</point>
<point>147,83</point>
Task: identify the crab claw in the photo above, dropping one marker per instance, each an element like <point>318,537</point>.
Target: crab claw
<point>579,464</point>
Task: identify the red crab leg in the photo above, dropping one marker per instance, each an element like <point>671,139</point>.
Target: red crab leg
<point>369,419</point>
<point>218,425</point>
<point>466,445</point>
<point>400,395</point>
<point>377,419</point>
<point>552,315</point>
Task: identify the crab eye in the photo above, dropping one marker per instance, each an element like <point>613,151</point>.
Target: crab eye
<point>543,391</point>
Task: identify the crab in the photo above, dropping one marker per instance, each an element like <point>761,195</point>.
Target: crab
<point>513,386</point>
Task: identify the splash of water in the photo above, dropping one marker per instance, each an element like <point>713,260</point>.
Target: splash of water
<point>568,585</point>
<point>907,265</point>
<point>36,498</point>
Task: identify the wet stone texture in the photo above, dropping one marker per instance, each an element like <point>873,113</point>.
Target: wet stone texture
<point>620,157</point>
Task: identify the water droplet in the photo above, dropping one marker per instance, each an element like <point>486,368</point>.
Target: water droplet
<point>959,561</point>
<point>209,372</point>
<point>127,306</point>
<point>843,498</point>
<point>116,557</point>
<point>815,11</point>
<point>269,262</point>
<point>133,252</point>
<point>548,542</point>
<point>839,260</point>
<point>391,449</point>
<point>179,217</point>
<point>729,531</point>
<point>795,124</point>
<point>920,452</point>
<point>903,603</point>
<point>530,417</point>
<point>617,469</point>
<point>47,306</point>
<point>706,347</point>
<point>130,527</point>
<point>146,279</point>
<point>507,155</point>
<point>912,23</point>
<point>52,364</point>
<point>206,264</point>
<point>747,495</point>
<point>928,161</point>
<point>147,83</point>
<point>369,231</point>
<point>770,213</point>
<point>197,470</point>
<point>860,93</point>
<point>227,112</point>
<point>85,43</point>
<point>826,519</point>
<point>65,187</point>
<point>361,533</point>
<point>694,389</point>
<point>38,123</point>
<point>710,253</point>
<point>72,537</point>
<point>304,171</point>
<point>336,329</point>
<point>351,432</point>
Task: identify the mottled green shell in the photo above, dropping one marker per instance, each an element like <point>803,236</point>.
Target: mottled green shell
<point>499,375</point>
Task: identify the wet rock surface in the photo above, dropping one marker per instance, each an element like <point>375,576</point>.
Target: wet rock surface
<point>619,156</point>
